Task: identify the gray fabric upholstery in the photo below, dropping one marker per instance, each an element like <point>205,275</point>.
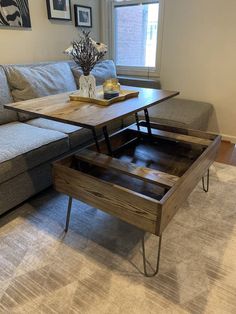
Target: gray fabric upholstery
<point>24,146</point>
<point>28,82</point>
<point>102,71</point>
<point>20,188</point>
<point>77,136</point>
<point>32,82</point>
<point>5,98</point>
<point>182,113</point>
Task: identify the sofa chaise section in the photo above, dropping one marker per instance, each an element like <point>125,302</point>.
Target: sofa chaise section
<point>23,148</point>
<point>176,112</point>
<point>182,113</point>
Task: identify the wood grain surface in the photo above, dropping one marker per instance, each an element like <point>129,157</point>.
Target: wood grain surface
<point>174,129</point>
<point>188,139</point>
<point>60,108</point>
<point>182,189</point>
<point>143,173</point>
<point>125,204</point>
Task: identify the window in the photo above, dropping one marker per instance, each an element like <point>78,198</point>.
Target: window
<point>135,35</point>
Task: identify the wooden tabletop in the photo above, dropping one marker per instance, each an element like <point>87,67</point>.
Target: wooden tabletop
<point>60,108</point>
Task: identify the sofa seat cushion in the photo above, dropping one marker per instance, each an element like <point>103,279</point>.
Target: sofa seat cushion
<point>182,113</point>
<point>102,71</point>
<point>23,147</point>
<point>77,135</point>
<point>28,82</point>
<point>5,98</point>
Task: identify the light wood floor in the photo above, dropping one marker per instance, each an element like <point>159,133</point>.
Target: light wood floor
<point>227,153</point>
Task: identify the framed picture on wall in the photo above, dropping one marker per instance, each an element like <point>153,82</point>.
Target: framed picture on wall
<point>15,13</point>
<point>83,16</point>
<point>59,10</point>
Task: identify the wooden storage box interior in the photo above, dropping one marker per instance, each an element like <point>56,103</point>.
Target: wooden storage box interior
<point>172,158</point>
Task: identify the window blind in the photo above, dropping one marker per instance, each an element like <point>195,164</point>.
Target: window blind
<point>133,2</point>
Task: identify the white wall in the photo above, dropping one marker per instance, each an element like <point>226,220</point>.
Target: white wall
<point>47,39</point>
<point>199,55</point>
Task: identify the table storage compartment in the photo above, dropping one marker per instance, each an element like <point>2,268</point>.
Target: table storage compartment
<point>144,177</point>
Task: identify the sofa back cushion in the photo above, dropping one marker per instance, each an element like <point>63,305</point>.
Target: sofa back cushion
<point>5,98</point>
<point>39,81</point>
<point>102,71</point>
<point>28,82</point>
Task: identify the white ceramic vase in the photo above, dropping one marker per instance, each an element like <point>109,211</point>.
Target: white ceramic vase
<point>87,85</point>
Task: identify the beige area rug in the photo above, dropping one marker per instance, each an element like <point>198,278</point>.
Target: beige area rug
<point>96,267</point>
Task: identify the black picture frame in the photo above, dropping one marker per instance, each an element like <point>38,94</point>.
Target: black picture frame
<point>54,14</point>
<point>78,17</point>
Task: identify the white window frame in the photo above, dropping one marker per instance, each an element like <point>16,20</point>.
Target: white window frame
<point>132,70</point>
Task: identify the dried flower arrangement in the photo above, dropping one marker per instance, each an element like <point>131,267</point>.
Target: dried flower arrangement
<point>86,52</point>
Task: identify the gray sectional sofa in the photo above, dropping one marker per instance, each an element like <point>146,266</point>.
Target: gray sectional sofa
<point>29,144</point>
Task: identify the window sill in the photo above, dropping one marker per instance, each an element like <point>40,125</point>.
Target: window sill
<point>139,81</point>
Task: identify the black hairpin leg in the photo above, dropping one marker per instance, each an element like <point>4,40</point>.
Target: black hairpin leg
<point>137,121</point>
<point>145,260</point>
<point>107,140</point>
<point>96,140</point>
<point>148,121</point>
<point>68,214</point>
<point>206,186</point>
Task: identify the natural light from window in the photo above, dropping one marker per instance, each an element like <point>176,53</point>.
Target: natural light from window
<point>136,29</point>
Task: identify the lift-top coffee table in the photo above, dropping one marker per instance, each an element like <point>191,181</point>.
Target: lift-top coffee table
<point>141,174</point>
